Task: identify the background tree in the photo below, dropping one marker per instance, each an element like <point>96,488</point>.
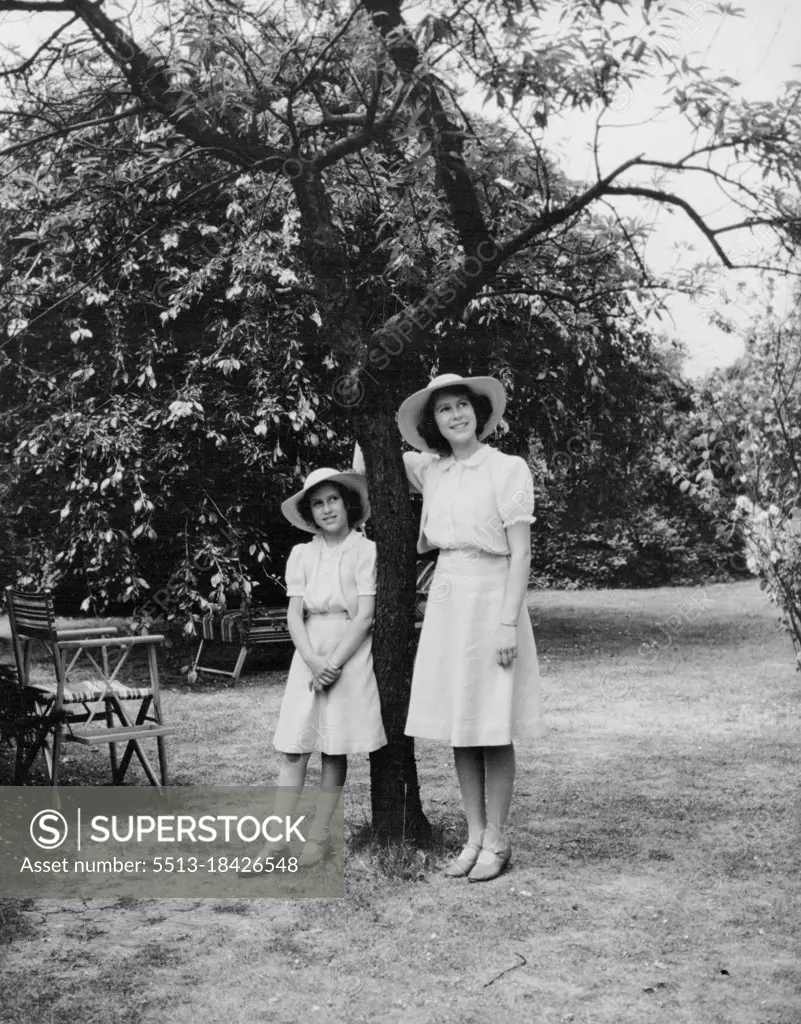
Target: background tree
<point>611,514</point>
<point>300,100</point>
<point>742,456</point>
<point>154,432</point>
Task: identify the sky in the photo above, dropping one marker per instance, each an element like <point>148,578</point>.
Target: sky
<point>760,50</point>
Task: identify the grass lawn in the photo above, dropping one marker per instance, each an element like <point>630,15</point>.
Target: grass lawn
<point>654,879</point>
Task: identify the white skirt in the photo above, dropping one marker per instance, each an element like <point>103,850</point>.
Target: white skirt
<point>460,694</point>
<point>346,718</point>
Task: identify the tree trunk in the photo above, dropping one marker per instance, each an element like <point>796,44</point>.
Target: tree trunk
<point>397,811</point>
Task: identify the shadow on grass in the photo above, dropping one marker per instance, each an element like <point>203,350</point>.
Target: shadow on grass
<point>400,862</point>
<point>13,923</point>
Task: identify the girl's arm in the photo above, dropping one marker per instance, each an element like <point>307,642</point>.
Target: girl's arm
<point>358,459</point>
<point>518,536</point>
<point>415,464</point>
<point>351,640</point>
<point>300,638</point>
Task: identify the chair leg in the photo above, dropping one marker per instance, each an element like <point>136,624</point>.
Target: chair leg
<point>240,663</point>
<point>135,747</point>
<point>125,761</point>
<point>112,746</point>
<point>199,652</point>
<point>58,715</point>
<point>20,767</point>
<point>55,765</point>
<point>122,765</point>
<point>233,675</point>
<point>162,745</point>
<point>31,737</point>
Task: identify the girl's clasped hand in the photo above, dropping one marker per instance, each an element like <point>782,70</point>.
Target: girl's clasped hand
<point>325,674</point>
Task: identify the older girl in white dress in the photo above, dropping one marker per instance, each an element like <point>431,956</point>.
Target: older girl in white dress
<point>476,680</point>
<point>331,702</point>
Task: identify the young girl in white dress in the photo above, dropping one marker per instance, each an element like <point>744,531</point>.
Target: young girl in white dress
<point>476,679</point>
<point>331,702</point>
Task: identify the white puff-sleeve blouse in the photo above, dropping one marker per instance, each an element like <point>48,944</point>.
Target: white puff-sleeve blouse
<point>332,579</point>
<point>470,502</point>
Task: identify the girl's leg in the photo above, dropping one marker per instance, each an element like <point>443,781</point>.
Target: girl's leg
<point>470,773</point>
<point>289,787</point>
<point>499,763</point>
<point>332,779</point>
<point>290,783</point>
<point>293,770</point>
<point>334,770</point>
<point>500,768</point>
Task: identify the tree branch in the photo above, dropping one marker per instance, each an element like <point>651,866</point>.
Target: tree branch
<point>150,81</point>
<point>30,61</point>
<point>328,46</point>
<point>69,128</point>
<point>352,144</point>
<point>669,199</point>
<point>447,139</point>
<point>32,5</point>
<point>552,218</point>
<point>752,222</point>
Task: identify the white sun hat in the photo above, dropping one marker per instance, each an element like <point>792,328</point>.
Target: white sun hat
<point>411,409</point>
<point>353,481</point>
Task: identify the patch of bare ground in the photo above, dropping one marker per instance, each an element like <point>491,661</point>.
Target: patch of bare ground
<point>654,878</point>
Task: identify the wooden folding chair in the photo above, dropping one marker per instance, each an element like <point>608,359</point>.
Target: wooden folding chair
<point>244,630</point>
<point>91,711</point>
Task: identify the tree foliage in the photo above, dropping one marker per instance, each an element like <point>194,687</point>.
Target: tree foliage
<point>147,445</point>
<point>743,458</point>
<point>609,513</point>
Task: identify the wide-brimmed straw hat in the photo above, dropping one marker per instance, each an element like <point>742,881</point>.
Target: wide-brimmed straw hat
<point>353,481</point>
<point>411,409</point>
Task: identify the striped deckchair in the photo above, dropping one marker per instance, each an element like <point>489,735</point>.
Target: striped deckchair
<point>243,629</point>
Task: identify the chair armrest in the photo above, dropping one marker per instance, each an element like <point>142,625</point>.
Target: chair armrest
<point>69,634</point>
<point>114,641</point>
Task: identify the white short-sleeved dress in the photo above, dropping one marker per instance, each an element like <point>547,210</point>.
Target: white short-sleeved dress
<point>346,718</point>
<point>460,694</point>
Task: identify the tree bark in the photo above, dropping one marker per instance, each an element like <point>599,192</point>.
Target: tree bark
<point>396,807</point>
